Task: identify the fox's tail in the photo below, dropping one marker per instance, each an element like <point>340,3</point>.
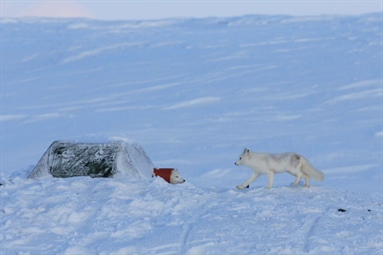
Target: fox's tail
<point>310,171</point>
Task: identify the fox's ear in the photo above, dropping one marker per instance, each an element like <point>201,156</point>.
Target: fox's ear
<point>245,150</point>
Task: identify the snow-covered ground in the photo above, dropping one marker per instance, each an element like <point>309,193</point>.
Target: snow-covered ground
<point>108,216</point>
<point>194,93</point>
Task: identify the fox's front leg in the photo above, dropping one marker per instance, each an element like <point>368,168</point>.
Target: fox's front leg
<point>250,180</point>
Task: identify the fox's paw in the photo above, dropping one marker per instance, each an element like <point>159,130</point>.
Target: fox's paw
<point>239,187</point>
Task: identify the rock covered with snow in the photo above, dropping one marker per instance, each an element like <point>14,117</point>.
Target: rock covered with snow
<point>68,159</point>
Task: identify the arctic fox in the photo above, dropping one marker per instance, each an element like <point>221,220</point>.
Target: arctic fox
<point>267,163</point>
<point>170,175</point>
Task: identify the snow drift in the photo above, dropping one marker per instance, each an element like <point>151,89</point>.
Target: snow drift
<point>117,216</point>
<point>66,159</point>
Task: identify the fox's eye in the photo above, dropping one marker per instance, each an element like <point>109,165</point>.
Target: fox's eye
<point>240,158</point>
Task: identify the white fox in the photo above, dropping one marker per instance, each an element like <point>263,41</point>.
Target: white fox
<point>170,175</point>
<point>267,163</point>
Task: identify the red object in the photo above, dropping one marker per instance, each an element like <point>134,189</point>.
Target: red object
<point>164,173</point>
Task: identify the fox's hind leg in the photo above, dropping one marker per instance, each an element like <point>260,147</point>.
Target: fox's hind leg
<point>298,179</point>
<point>307,181</point>
<point>270,175</point>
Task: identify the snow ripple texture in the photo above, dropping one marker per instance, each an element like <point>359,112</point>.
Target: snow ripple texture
<point>106,216</point>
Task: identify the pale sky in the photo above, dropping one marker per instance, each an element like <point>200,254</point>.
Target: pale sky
<point>159,9</point>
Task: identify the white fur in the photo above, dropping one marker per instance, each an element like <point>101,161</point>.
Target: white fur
<point>175,177</point>
<point>267,163</point>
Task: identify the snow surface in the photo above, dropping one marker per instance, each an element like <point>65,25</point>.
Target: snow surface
<point>194,93</point>
<point>115,216</point>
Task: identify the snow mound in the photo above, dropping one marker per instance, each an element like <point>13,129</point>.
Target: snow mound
<point>66,159</point>
<point>120,216</point>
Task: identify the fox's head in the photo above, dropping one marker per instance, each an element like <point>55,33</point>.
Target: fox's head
<point>170,175</point>
<point>175,177</point>
<point>243,158</point>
